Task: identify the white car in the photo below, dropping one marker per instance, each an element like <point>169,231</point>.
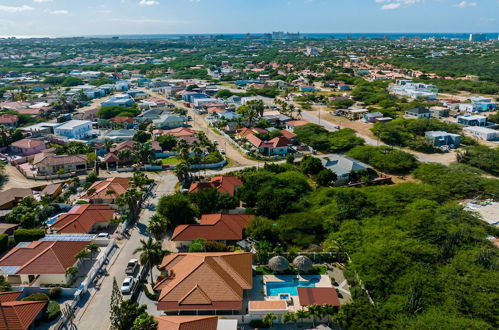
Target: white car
<point>103,235</point>
<point>128,285</point>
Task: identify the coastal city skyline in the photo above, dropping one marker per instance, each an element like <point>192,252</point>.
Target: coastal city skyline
<point>58,18</point>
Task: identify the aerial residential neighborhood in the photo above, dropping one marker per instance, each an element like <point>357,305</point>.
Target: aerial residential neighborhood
<point>157,175</point>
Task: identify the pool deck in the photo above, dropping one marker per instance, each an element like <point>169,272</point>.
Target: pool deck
<point>259,289</point>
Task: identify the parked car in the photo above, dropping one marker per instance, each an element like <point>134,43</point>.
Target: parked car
<point>128,285</point>
<point>132,266</point>
<point>222,151</point>
<point>103,235</point>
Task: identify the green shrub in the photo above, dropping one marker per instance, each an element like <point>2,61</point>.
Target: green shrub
<point>4,242</point>
<point>39,296</point>
<point>55,292</point>
<point>150,295</point>
<point>53,311</point>
<point>28,235</point>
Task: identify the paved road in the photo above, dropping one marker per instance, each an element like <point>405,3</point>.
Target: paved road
<point>199,123</point>
<point>95,314</point>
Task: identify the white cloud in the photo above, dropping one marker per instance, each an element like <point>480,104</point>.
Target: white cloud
<point>148,2</point>
<point>465,4</point>
<point>59,12</point>
<point>394,4</point>
<point>15,9</point>
<point>42,1</point>
<point>390,6</point>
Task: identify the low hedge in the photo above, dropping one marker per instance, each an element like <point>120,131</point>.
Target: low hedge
<point>39,296</point>
<point>152,296</point>
<point>28,235</point>
<point>4,242</point>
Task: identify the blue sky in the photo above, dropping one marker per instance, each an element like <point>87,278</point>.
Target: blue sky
<point>104,17</point>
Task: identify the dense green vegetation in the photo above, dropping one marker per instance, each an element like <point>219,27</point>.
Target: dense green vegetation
<point>415,249</point>
<point>482,157</point>
<point>411,132</point>
<point>115,111</point>
<point>484,66</point>
<point>322,140</point>
<point>454,86</point>
<point>384,158</point>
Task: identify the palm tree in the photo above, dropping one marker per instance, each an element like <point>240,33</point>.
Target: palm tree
<point>316,312</point>
<point>91,192</point>
<point>71,271</point>
<point>268,319</point>
<point>158,226</point>
<point>110,192</point>
<point>182,171</point>
<point>131,199</point>
<point>82,254</point>
<point>151,253</point>
<point>139,180</point>
<point>329,311</point>
<point>288,317</point>
<point>92,248</point>
<point>108,144</point>
<point>301,315</point>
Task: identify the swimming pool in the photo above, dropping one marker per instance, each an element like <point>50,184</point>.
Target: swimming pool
<point>290,287</point>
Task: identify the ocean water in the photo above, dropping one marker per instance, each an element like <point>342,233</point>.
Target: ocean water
<point>393,36</point>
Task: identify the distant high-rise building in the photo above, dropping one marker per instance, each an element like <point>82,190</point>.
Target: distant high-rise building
<point>477,37</point>
<point>277,35</point>
<point>293,36</point>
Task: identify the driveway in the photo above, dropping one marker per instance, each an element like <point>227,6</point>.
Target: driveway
<point>95,314</point>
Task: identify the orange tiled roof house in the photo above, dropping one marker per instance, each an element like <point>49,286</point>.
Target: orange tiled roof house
<point>106,191</point>
<point>204,281</point>
<point>226,228</point>
<point>40,262</point>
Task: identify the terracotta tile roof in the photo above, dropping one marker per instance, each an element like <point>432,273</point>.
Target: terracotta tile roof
<point>8,119</point>
<point>43,257</point>
<point>180,131</point>
<point>214,227</point>
<point>223,184</point>
<point>19,315</point>
<point>14,105</point>
<point>244,131</point>
<point>123,119</point>
<point>127,145</point>
<point>156,146</point>
<point>49,159</point>
<point>254,140</point>
<point>318,296</point>
<point>118,185</point>
<point>287,134</point>
<point>111,158</point>
<point>267,305</point>
<point>296,123</point>
<point>29,111</point>
<point>187,322</point>
<point>204,281</point>
<point>279,141</point>
<point>81,218</point>
<point>27,143</point>
<point>10,296</point>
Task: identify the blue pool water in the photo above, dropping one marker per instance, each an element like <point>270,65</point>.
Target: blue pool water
<point>291,288</point>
